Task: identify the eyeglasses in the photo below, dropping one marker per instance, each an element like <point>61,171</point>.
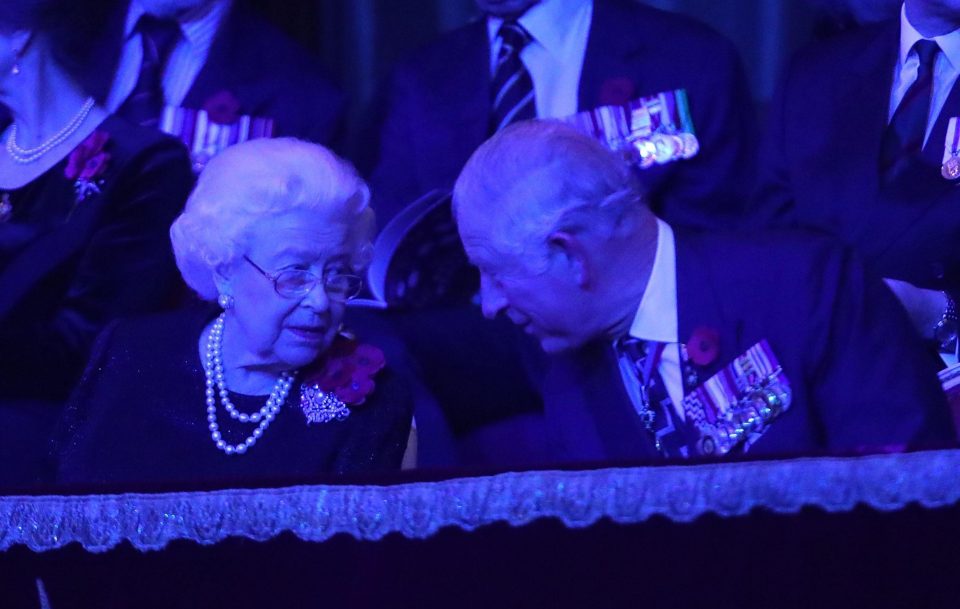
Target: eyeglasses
<point>296,283</point>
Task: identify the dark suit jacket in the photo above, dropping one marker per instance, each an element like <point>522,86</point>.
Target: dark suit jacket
<point>439,108</point>
<point>264,70</point>
<point>69,268</point>
<point>860,378</point>
<point>137,418</point>
<point>102,258</point>
<point>821,154</point>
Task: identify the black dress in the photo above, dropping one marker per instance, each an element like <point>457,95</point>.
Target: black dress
<point>69,264</point>
<point>138,417</point>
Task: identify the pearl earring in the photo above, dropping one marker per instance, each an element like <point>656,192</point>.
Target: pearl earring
<point>225,301</point>
<point>15,70</point>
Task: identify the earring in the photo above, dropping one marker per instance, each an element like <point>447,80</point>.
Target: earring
<point>225,301</point>
<point>15,70</point>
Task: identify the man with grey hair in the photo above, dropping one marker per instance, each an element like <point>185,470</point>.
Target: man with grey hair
<point>679,344</point>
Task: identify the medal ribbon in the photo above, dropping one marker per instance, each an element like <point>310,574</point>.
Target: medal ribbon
<point>951,147</point>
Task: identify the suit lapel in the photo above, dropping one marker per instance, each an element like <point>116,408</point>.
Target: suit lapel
<point>216,73</point>
<point>699,305</point>
<point>610,55</point>
<point>866,93</point>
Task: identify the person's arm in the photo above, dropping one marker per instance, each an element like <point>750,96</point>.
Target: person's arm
<point>875,384</point>
<point>925,308</point>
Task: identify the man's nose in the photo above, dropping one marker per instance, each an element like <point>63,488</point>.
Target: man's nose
<point>492,298</point>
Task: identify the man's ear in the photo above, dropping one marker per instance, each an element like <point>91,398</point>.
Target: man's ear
<point>572,251</point>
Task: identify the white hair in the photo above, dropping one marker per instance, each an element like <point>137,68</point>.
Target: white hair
<point>540,176</point>
<point>258,179</point>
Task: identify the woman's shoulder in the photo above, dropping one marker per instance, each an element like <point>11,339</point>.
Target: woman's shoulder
<point>133,149</point>
<point>188,319</point>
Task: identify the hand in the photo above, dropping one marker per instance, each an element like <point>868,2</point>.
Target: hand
<point>924,307</point>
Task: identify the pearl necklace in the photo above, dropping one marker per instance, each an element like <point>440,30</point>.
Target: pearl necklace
<point>29,155</point>
<point>213,369</point>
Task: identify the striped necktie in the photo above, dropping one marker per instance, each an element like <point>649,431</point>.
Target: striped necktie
<point>903,137</point>
<point>145,102</point>
<point>512,88</point>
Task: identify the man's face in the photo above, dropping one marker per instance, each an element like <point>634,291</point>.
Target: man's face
<point>505,8</point>
<point>542,299</point>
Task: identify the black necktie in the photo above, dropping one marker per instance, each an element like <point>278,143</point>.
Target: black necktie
<point>146,101</point>
<point>657,413</point>
<point>903,138</point>
<point>512,88</point>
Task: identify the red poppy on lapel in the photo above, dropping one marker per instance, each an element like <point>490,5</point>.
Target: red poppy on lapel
<point>89,160</point>
<point>222,108</point>
<point>347,370</point>
<point>703,346</point>
<point>617,91</point>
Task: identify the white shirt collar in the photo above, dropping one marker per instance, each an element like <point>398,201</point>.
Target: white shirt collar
<point>949,42</point>
<point>656,317</point>
<point>197,30</point>
<point>547,21</point>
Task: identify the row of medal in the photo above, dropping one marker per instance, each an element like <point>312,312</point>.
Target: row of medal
<point>736,405</point>
<point>204,138</point>
<point>648,131</point>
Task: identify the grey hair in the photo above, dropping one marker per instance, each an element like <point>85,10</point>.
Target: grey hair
<point>537,177</point>
<point>261,178</point>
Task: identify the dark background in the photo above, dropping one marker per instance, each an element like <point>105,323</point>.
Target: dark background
<point>358,40</point>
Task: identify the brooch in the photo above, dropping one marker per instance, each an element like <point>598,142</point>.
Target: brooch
<point>342,378</point>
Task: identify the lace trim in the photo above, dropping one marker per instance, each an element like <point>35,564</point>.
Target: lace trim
<point>418,510</point>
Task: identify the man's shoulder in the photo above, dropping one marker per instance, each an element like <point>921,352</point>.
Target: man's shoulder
<point>668,28</point>
<point>145,332</point>
<point>841,52</point>
<point>768,248</point>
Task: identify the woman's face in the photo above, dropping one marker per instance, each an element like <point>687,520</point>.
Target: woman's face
<point>267,331</point>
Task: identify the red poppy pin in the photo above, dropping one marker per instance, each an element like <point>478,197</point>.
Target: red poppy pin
<point>87,163</point>
<point>222,108</point>
<point>343,377</point>
<point>703,346</point>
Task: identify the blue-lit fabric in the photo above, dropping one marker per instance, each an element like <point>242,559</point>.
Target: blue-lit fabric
<point>419,509</point>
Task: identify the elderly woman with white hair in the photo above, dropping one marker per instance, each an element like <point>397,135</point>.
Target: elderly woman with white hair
<point>272,384</point>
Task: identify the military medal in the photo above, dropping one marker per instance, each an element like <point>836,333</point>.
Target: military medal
<point>204,137</point>
<point>647,131</point>
<point>951,152</point>
<point>736,406</point>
